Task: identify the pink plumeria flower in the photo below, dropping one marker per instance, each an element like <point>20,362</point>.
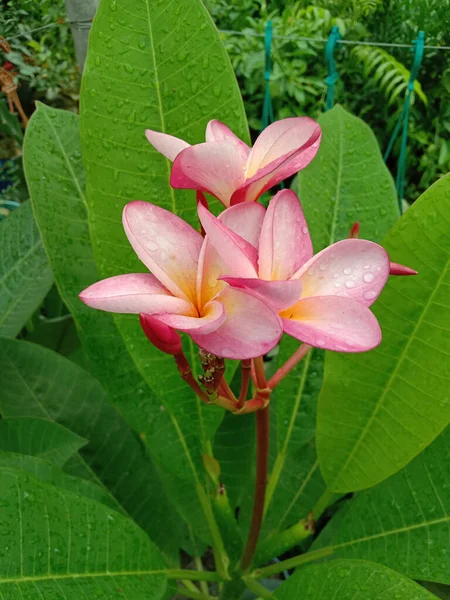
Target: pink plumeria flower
<point>227,168</point>
<point>181,293</point>
<point>323,300</point>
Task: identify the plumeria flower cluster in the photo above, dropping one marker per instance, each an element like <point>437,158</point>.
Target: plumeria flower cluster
<point>253,275</point>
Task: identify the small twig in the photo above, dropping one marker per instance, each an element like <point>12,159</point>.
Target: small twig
<point>187,593</point>
<point>245,380</point>
<point>291,362</point>
<point>184,369</point>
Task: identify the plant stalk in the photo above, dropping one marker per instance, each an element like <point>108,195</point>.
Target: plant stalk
<point>262,459</point>
<point>291,563</point>
<point>291,362</point>
<point>192,575</point>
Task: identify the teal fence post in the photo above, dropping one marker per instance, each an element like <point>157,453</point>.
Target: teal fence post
<point>267,114</point>
<point>332,76</point>
<point>403,120</point>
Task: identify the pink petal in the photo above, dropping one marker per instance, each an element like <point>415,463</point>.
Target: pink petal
<point>218,132</point>
<point>333,323</point>
<point>279,139</point>
<point>166,244</point>
<point>352,268</point>
<point>134,293</point>
<point>277,294</point>
<point>246,220</point>
<point>283,148</point>
<point>285,244</point>
<point>160,335</point>
<point>397,269</point>
<point>213,167</point>
<point>250,329</point>
<point>213,315</point>
<point>168,145</point>
<point>240,256</point>
<point>210,268</point>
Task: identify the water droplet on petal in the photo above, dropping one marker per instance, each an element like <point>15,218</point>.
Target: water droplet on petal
<point>320,342</point>
<point>323,267</point>
<point>368,277</point>
<point>347,271</point>
<point>337,284</point>
<point>305,230</point>
<point>350,284</point>
<point>366,267</point>
<point>369,295</point>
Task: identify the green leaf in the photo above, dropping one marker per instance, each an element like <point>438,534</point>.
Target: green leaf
<point>441,591</point>
<point>350,579</point>
<point>45,385</point>
<point>57,544</point>
<point>403,522</point>
<point>25,275</point>
<point>234,445</point>
<point>45,471</point>
<point>52,146</point>
<point>39,437</point>
<point>347,182</point>
<point>379,409</point>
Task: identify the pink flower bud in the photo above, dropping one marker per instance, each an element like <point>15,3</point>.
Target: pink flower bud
<point>160,335</point>
<point>396,269</point>
<point>354,231</point>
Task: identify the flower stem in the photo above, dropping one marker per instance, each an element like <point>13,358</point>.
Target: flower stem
<point>245,380</point>
<point>291,563</point>
<point>184,369</point>
<point>262,455</point>
<point>291,362</point>
<point>257,588</point>
<point>196,595</point>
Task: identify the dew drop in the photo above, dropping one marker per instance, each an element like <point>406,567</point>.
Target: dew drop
<point>337,284</point>
<point>366,267</point>
<point>320,342</point>
<point>350,284</point>
<point>368,277</point>
<point>305,230</point>
<point>323,267</point>
<point>347,271</point>
<point>369,295</point>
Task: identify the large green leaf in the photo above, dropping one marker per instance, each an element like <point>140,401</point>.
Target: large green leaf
<point>39,437</point>
<point>161,66</point>
<point>379,409</point>
<point>46,471</point>
<point>403,522</point>
<point>52,146</point>
<point>56,544</point>
<point>352,580</point>
<point>25,275</point>
<point>347,182</point>
<point>335,190</point>
<point>45,385</point>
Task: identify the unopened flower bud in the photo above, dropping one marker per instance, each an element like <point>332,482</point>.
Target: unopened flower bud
<point>161,335</point>
<point>396,269</point>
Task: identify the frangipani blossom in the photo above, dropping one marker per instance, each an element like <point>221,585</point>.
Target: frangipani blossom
<point>181,294</point>
<point>323,300</point>
<point>227,168</point>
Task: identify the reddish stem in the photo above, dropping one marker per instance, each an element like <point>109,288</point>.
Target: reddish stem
<point>245,380</point>
<point>291,362</point>
<point>184,369</point>
<point>262,455</point>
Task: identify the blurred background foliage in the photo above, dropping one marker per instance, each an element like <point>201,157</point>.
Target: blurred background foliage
<point>371,85</point>
<point>372,80</point>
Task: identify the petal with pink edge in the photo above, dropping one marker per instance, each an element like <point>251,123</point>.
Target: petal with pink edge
<point>352,268</point>
<point>240,257</point>
<point>166,244</point>
<point>218,132</point>
<point>134,293</point>
<point>285,244</point>
<point>213,315</point>
<point>333,323</point>
<point>213,167</point>
<point>251,328</point>
<point>276,171</point>
<point>276,294</point>
<point>168,145</point>
<point>280,139</point>
<point>246,220</point>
